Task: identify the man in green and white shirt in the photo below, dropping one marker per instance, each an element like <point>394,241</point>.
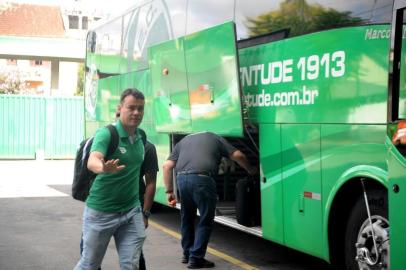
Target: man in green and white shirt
<point>113,207</point>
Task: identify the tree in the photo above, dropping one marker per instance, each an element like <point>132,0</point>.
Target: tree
<point>12,82</point>
<point>81,80</point>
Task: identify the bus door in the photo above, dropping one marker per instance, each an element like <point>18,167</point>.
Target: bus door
<point>195,83</point>
<point>397,138</point>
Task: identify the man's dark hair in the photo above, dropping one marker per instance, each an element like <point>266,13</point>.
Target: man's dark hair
<point>137,94</point>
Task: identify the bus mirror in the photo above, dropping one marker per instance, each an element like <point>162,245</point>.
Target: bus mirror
<point>91,42</point>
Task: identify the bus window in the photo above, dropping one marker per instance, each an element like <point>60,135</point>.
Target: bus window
<point>205,14</point>
<point>124,48</point>
<point>91,42</point>
<point>177,15</point>
<point>149,24</point>
<point>302,17</point>
<point>248,14</point>
<point>399,94</point>
<point>382,12</point>
<point>129,51</point>
<point>402,76</point>
<point>110,47</point>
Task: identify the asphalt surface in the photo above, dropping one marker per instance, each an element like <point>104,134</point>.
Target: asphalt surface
<point>40,227</point>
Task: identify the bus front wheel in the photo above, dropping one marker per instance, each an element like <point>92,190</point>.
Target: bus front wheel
<point>360,251</point>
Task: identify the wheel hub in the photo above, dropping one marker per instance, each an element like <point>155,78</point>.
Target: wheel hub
<point>367,257</point>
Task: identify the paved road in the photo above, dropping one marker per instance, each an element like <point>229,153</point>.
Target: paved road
<point>40,229</point>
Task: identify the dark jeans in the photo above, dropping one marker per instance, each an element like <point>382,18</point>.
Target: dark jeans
<point>196,192</point>
<point>142,260</point>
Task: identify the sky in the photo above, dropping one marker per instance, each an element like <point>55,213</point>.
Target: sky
<point>106,6</point>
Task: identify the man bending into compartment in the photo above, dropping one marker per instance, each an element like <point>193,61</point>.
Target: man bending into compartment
<point>196,159</point>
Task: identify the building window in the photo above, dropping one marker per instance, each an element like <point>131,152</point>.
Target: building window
<point>73,22</point>
<point>84,22</point>
<point>12,62</point>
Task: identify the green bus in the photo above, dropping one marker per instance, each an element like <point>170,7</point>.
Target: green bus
<point>313,92</point>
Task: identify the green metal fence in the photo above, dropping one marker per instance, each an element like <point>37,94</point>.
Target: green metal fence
<point>30,126</point>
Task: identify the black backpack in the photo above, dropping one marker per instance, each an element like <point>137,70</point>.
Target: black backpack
<point>82,176</point>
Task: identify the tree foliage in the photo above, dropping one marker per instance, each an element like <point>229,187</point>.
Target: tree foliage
<point>12,82</point>
<point>80,81</point>
<point>300,18</point>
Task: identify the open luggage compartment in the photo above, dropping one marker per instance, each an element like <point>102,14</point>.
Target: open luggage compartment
<point>238,193</point>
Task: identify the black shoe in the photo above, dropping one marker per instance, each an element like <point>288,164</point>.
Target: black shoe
<point>202,263</point>
<point>185,259</point>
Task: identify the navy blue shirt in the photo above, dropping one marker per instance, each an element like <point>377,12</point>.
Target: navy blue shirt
<point>150,165</point>
<point>201,152</point>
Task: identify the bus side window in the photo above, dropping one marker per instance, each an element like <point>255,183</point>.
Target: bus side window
<point>402,76</point>
<point>399,127</point>
<point>201,16</point>
<point>91,42</point>
<point>258,17</point>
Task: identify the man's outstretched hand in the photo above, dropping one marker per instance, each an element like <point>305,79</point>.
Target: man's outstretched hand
<point>112,166</point>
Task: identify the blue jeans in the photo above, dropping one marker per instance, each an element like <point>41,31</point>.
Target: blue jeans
<point>196,192</point>
<point>127,229</point>
<point>142,265</point>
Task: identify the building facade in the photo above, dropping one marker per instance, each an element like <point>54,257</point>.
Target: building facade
<point>42,47</point>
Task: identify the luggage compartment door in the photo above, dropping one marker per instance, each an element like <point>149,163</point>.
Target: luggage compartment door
<point>196,85</point>
<point>169,87</point>
<point>214,85</point>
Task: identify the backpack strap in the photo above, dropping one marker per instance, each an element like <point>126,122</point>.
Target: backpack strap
<point>114,140</point>
<point>143,135</point>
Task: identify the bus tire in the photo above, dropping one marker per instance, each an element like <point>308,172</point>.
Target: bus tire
<point>358,230</point>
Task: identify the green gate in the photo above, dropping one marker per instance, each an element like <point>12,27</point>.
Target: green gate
<point>50,127</point>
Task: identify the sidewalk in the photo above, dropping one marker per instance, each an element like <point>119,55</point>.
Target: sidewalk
<point>30,178</point>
